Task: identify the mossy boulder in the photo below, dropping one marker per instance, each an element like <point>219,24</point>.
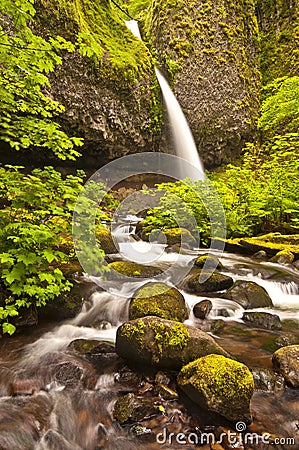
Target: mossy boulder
<point>158,299</point>
<point>272,243</point>
<point>219,384</point>
<point>286,361</point>
<point>249,295</point>
<point>283,257</point>
<point>207,262</point>
<point>163,343</point>
<point>131,269</point>
<point>203,281</point>
<point>179,236</point>
<point>106,242</point>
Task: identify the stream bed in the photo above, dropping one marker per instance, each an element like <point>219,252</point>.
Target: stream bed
<point>53,398</point>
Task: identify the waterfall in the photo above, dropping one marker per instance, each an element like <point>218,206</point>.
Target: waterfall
<point>183,139</point>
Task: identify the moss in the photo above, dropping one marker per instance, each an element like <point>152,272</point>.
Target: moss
<point>131,269</point>
<point>105,240</point>
<point>285,255</point>
<point>209,261</point>
<point>161,337</point>
<point>273,241</point>
<point>226,385</point>
<point>178,236</point>
<point>279,31</point>
<point>100,34</point>
<point>158,299</point>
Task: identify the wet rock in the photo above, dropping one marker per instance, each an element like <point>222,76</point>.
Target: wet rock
<point>207,262</point>
<point>283,257</point>
<point>219,384</point>
<point>127,377</point>
<point>27,386</point>
<point>217,325</point>
<point>202,281</point>
<point>286,361</point>
<point>106,241</point>
<point>130,408</point>
<point>249,295</point>
<point>262,320</point>
<point>162,378</point>
<point>131,269</point>
<point>296,264</point>
<point>166,392</point>
<point>163,343</point>
<point>267,380</point>
<point>143,434</point>
<point>286,339</point>
<point>261,254</point>
<point>158,299</point>
<point>202,309</point>
<point>90,348</point>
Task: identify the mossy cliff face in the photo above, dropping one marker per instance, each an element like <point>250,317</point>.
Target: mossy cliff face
<point>279,35</point>
<point>210,51</point>
<point>107,86</point>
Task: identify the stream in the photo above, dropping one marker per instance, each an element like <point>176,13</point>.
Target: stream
<point>54,399</point>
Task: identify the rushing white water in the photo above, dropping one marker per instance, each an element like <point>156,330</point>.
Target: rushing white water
<point>183,139</point>
<point>133,26</point>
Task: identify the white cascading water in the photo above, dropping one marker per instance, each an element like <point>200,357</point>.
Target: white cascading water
<point>183,139</point>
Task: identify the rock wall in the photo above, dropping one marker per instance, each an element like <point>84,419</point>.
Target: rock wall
<point>279,34</point>
<point>108,86</point>
<point>210,51</point>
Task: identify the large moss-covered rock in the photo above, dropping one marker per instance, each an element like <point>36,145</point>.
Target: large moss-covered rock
<point>158,299</point>
<point>220,384</point>
<point>210,51</point>
<point>286,360</point>
<point>272,243</point>
<point>131,269</point>
<point>106,242</point>
<point>208,262</point>
<point>179,236</point>
<point>202,281</point>
<point>249,295</point>
<point>163,343</point>
<point>107,86</point>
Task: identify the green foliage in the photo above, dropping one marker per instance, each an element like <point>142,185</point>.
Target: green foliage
<point>280,109</point>
<point>25,60</point>
<point>261,193</point>
<point>185,204</point>
<point>36,244</point>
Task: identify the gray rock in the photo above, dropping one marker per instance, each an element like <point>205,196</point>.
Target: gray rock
<point>262,320</point>
<point>213,282</point>
<point>249,295</point>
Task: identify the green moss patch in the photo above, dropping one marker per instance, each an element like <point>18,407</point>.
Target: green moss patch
<point>219,383</point>
<point>131,269</point>
<point>158,299</point>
